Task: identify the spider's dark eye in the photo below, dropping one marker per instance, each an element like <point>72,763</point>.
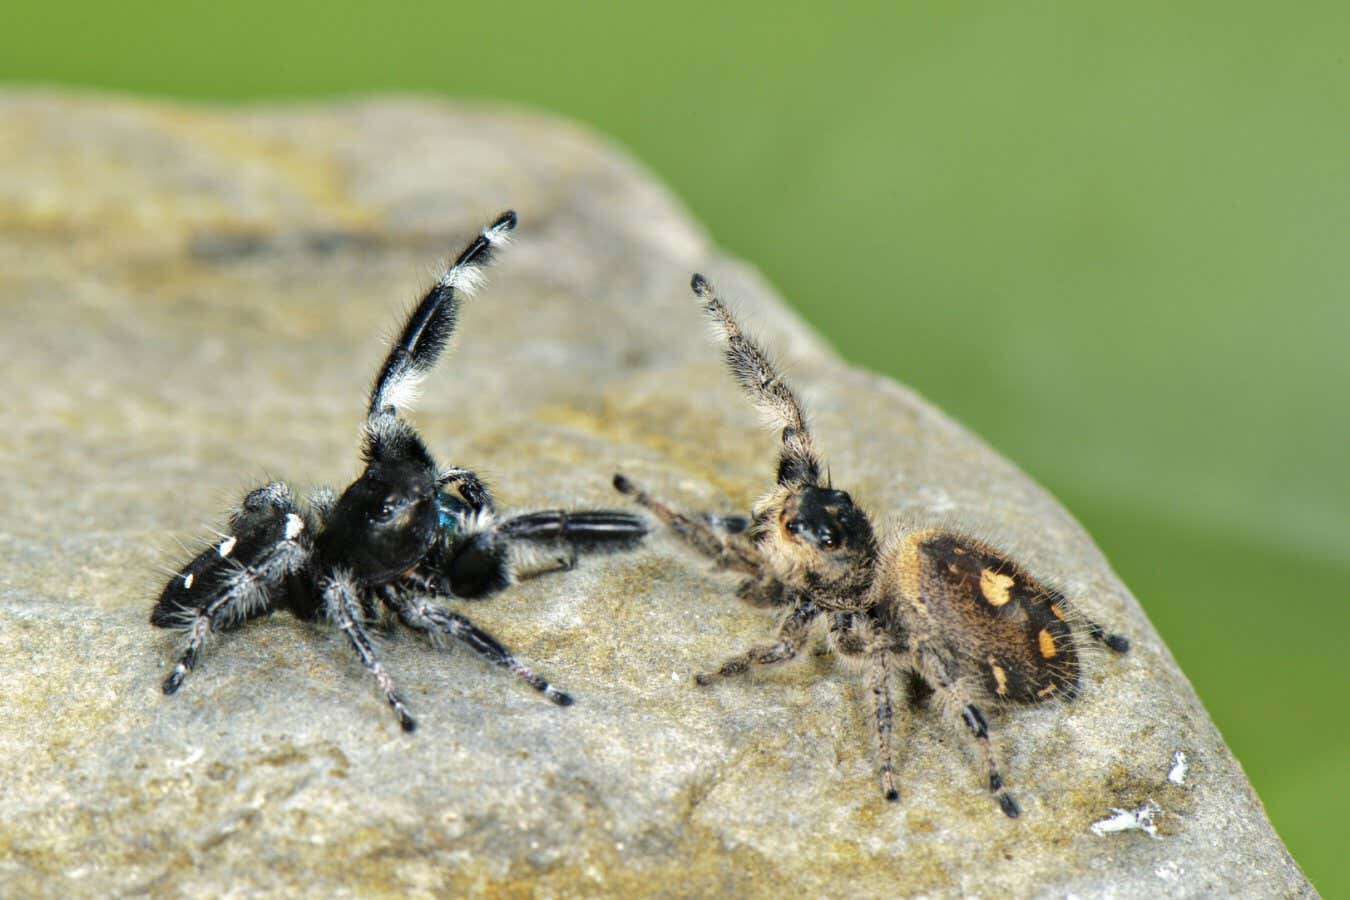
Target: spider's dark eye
<point>386,511</point>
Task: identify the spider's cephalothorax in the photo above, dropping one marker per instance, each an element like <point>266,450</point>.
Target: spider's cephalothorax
<point>405,533</point>
<point>961,618</point>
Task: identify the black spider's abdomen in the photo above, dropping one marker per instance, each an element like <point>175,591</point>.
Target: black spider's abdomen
<point>229,568</point>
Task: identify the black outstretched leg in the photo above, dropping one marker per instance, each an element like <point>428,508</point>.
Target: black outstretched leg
<point>344,610</point>
<point>438,623</point>
<point>489,561</point>
<point>420,342</point>
<point>582,531</point>
<point>430,325</point>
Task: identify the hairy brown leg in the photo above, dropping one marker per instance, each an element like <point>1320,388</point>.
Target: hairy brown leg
<point>791,635</point>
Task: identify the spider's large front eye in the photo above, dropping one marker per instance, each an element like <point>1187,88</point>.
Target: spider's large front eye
<point>386,511</point>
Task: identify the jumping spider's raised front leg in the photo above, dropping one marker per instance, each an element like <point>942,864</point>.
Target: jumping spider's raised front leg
<point>403,535</point>
<point>956,615</point>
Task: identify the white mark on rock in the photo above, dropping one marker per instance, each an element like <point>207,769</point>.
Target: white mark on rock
<point>1177,774</point>
<point>191,759</point>
<point>1141,819</point>
<point>937,500</point>
<point>187,581</point>
<point>1169,872</point>
<point>226,546</point>
<point>294,525</point>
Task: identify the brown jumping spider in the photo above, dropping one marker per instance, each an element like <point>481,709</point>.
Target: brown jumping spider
<point>961,618</point>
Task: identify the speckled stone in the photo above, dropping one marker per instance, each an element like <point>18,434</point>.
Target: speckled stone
<point>195,299</point>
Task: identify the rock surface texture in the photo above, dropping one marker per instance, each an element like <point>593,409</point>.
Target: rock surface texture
<point>195,300</point>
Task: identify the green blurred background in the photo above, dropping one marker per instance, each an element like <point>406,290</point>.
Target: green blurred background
<point>1110,238</point>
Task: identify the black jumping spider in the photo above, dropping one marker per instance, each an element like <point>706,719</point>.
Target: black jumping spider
<point>401,535</point>
<point>962,619</point>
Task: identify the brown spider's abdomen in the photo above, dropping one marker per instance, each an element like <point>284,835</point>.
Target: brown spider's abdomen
<point>1000,623</point>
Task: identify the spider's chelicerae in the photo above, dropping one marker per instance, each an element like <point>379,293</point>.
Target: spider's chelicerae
<point>958,616</point>
<point>405,533</point>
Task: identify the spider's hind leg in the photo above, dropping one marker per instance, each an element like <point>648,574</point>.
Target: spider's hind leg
<point>1062,609</point>
<point>959,700</point>
<point>879,682</point>
<point>979,729</point>
<point>1117,642</point>
<point>240,577</point>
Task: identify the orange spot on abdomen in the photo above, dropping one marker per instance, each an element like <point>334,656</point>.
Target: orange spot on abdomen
<point>995,587</point>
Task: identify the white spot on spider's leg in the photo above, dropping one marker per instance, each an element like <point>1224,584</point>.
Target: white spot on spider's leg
<point>1141,819</point>
<point>226,547</point>
<point>499,236</point>
<point>465,279</point>
<point>403,390</point>
<point>294,525</point>
<point>1177,774</point>
<point>187,581</point>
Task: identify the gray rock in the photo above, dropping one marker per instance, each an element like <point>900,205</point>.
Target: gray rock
<point>197,298</point>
